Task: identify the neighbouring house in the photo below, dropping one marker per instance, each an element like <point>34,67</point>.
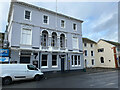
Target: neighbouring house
<point>103,53</point>
<point>108,54</point>
<point>47,39</point>
<point>89,47</point>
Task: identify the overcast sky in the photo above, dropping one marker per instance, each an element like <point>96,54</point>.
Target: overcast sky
<point>100,18</point>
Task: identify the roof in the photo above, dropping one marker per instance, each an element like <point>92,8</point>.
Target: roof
<point>39,8</point>
<point>111,42</point>
<point>86,39</point>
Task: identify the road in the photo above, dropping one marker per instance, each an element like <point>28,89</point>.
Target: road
<point>107,79</point>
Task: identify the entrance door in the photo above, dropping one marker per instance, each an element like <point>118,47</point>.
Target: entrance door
<point>62,64</point>
<point>24,59</point>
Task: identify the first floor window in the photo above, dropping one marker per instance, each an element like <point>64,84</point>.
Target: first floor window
<point>92,53</point>
<point>54,60</point>
<point>93,62</point>
<point>26,37</point>
<point>44,60</point>
<point>75,43</point>
<point>75,60</point>
<point>85,52</point>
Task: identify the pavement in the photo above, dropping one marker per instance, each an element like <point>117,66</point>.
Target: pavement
<point>92,78</point>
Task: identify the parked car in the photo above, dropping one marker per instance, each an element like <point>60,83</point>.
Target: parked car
<point>14,72</point>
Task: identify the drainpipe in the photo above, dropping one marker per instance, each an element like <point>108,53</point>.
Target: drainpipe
<point>115,57</point>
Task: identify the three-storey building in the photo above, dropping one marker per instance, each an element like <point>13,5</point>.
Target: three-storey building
<point>49,40</point>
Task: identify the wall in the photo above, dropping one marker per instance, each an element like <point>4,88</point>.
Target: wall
<point>108,54</point>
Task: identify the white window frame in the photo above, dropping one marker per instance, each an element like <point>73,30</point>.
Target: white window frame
<point>64,23</point>
<point>77,43</point>
<point>30,14</point>
<point>47,61</point>
<point>94,62</point>
<point>21,37</point>
<point>73,27</point>
<point>87,52</point>
<point>91,53</point>
<point>74,61</point>
<point>57,62</point>
<point>43,19</point>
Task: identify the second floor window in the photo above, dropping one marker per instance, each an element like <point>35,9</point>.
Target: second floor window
<point>74,26</point>
<point>45,19</point>
<point>26,37</point>
<point>27,15</point>
<point>62,24</point>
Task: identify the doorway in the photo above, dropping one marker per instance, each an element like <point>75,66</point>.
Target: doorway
<point>62,63</point>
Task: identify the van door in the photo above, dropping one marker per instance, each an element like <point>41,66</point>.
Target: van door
<point>31,71</point>
<point>19,72</point>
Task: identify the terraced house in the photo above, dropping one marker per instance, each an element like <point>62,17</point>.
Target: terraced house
<point>47,39</point>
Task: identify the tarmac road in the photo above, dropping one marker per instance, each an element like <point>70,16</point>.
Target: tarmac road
<point>107,79</point>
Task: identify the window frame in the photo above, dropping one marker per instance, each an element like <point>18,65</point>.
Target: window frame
<point>86,54</point>
<point>21,42</point>
<point>92,54</point>
<point>73,60</point>
<point>30,14</point>
<point>61,23</point>
<point>73,27</point>
<point>56,62</point>
<point>43,19</point>
<point>47,61</point>
<point>93,61</point>
<point>76,44</point>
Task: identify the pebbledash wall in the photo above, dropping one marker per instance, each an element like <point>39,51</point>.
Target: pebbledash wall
<point>47,39</point>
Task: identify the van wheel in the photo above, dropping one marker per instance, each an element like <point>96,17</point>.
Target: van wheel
<point>6,81</point>
<point>37,78</point>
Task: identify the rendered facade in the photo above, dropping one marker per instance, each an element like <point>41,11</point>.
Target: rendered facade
<point>105,53</point>
<point>49,40</point>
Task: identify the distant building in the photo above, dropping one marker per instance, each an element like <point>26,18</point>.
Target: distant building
<point>108,54</point>
<point>89,47</point>
<point>104,53</point>
<point>49,40</point>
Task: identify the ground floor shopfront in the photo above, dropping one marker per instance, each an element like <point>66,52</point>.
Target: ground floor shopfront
<point>49,61</point>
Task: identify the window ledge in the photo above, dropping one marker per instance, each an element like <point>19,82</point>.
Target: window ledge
<point>54,66</point>
<point>44,67</point>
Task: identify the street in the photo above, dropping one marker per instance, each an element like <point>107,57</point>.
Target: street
<point>107,79</point>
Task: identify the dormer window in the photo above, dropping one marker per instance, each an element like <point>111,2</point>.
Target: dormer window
<point>27,15</point>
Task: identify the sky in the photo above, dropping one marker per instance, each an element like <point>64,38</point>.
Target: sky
<point>100,18</point>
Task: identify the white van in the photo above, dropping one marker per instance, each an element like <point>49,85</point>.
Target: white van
<point>13,72</point>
